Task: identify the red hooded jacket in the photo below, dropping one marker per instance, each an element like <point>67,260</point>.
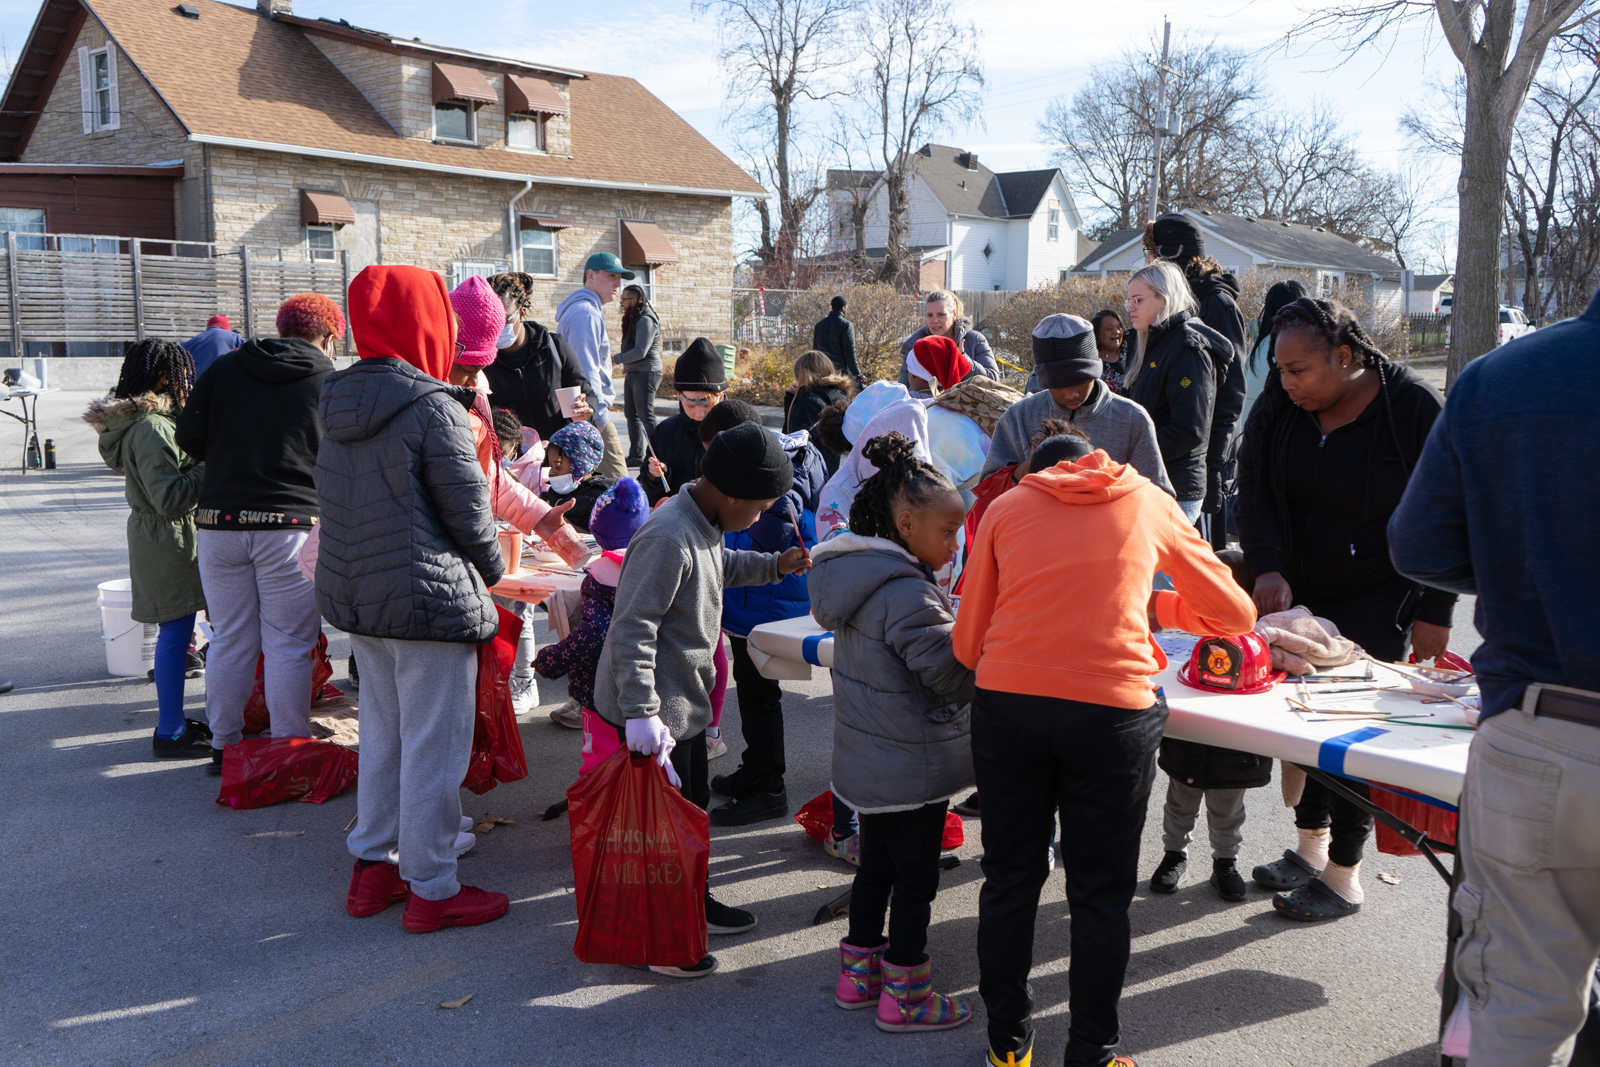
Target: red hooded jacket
<point>403,312</point>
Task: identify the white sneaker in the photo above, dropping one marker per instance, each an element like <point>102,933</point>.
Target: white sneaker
<point>715,746</point>
<point>464,843</point>
<point>524,693</point>
<point>569,715</point>
<point>467,823</point>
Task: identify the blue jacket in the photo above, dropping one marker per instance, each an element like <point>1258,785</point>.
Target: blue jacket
<point>1505,503</point>
<point>748,606</point>
<point>208,344</point>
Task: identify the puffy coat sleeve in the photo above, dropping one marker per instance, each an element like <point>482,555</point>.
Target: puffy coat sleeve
<point>1190,386</point>
<point>450,474</point>
<point>919,630</point>
<point>173,491</point>
<point>982,356</point>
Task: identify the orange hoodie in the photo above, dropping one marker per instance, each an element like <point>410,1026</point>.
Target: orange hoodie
<point>1058,584</point>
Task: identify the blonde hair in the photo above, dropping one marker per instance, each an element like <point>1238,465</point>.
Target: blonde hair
<point>815,368</point>
<point>1166,279</point>
<point>949,300</point>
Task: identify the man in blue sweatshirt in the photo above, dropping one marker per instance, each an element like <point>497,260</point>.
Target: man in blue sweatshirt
<point>1486,513</point>
<point>581,320</point>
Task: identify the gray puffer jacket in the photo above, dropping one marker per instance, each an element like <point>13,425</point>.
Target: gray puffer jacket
<point>408,542</point>
<point>900,696</point>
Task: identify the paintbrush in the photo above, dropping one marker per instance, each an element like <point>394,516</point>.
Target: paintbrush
<point>799,537</point>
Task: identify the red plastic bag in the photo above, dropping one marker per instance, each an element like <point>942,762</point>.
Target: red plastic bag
<point>256,718</point>
<point>1430,819</point>
<point>639,856</point>
<point>497,754</point>
<point>816,819</point>
<point>259,771</point>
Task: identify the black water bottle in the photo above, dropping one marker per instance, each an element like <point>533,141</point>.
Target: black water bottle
<point>33,452</point>
<point>49,454</point>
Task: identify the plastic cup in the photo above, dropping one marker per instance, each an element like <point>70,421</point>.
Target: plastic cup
<point>511,550</point>
<point>567,398</point>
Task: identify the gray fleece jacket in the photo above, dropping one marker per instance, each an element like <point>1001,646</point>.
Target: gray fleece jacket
<point>900,697</point>
<point>657,659</point>
<point>1112,422</point>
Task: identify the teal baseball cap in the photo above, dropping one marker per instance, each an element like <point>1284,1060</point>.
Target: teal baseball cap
<point>609,263</point>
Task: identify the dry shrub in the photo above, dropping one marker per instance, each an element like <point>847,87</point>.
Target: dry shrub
<point>1009,327</point>
<point>763,376</point>
<point>882,316</point>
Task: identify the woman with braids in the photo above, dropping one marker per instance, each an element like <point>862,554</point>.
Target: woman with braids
<point>900,745</point>
<point>641,360</point>
<point>534,362</point>
<point>1326,457</point>
<point>137,425</point>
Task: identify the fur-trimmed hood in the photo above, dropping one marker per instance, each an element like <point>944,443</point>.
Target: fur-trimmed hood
<point>104,410</point>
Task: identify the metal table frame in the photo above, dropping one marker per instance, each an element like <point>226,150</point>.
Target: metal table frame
<point>28,418</point>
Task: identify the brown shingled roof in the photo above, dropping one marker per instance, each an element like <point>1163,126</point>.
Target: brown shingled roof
<point>263,80</point>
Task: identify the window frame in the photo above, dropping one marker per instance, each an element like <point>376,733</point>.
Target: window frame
<point>333,248</point>
<point>472,121</point>
<point>91,92</point>
<point>28,240</point>
<point>555,251</point>
<point>541,134</point>
<point>1052,225</point>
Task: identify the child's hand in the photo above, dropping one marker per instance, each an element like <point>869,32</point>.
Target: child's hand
<point>653,465</point>
<point>795,561</point>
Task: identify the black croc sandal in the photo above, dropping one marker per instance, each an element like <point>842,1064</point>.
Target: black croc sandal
<point>1291,872</point>
<point>1313,901</point>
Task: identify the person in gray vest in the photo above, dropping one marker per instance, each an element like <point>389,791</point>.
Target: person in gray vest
<point>641,360</point>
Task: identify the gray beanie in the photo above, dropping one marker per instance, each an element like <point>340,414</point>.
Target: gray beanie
<point>1064,352</point>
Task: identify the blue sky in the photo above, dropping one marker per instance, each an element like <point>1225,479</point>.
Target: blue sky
<point>1032,52</point>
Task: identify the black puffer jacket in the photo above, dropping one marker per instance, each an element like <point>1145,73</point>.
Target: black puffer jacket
<point>1218,295</point>
<point>1209,767</point>
<point>675,442</point>
<point>525,379</point>
<point>408,543</point>
<point>1177,386</point>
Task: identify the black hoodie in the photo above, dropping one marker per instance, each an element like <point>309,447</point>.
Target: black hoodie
<point>1218,297</point>
<point>253,418</point>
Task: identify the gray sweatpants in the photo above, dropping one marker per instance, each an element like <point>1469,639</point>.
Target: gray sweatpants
<point>1224,817</point>
<point>259,604</point>
<point>1530,899</point>
<point>417,710</point>
<point>526,648</point>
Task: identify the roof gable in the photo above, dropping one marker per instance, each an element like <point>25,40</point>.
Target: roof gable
<point>1024,189</point>
<point>1116,242</point>
<point>961,189</point>
<point>1292,243</point>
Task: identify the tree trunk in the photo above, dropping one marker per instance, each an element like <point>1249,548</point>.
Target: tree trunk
<point>1485,152</point>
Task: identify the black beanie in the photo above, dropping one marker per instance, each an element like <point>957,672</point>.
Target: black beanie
<point>700,368</point>
<point>1178,239</point>
<point>837,303</point>
<point>725,415</point>
<point>747,462</point>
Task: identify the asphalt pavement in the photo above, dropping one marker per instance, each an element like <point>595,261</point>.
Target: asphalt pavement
<point>149,925</point>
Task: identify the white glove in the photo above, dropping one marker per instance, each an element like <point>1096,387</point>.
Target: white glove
<point>650,737</point>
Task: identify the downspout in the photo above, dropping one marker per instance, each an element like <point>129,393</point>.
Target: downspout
<point>516,230</point>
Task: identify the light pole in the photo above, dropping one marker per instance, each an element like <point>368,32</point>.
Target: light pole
<point>1171,123</point>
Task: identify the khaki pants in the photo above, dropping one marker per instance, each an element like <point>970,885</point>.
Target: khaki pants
<point>1530,899</point>
<point>613,465</point>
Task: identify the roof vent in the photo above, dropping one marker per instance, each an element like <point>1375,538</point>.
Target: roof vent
<point>926,150</point>
<point>962,183</point>
<point>1203,212</point>
<point>188,11</point>
<point>1320,229</point>
<point>1285,225</point>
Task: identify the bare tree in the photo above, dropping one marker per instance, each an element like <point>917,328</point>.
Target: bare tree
<point>921,72</point>
<point>1400,211</point>
<point>777,55</point>
<point>1499,44</point>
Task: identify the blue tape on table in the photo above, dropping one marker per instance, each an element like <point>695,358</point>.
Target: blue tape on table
<point>1330,757</point>
<point>808,648</point>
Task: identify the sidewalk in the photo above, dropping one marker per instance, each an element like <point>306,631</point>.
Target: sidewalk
<point>149,925</point>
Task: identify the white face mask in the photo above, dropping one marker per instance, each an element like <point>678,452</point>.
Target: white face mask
<point>507,338</point>
<point>563,483</point>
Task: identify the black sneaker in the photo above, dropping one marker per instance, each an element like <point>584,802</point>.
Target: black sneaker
<point>201,728</point>
<point>187,745</point>
<point>214,768</point>
<point>968,808</point>
<point>1169,873</point>
<point>721,919</point>
<point>726,785</point>
<point>752,807</point>
<point>355,678</point>
<point>707,964</point>
<point>194,666</point>
<point>1227,880</point>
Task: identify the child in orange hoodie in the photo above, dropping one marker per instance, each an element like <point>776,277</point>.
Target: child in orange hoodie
<point>1066,718</point>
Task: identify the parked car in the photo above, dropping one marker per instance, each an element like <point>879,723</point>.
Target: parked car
<point>1513,323</point>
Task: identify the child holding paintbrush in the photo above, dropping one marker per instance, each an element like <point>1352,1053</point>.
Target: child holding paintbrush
<point>757,788</point>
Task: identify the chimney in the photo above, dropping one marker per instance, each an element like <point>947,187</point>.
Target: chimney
<point>270,8</point>
<point>968,160</point>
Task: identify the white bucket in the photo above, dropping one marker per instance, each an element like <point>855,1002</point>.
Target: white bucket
<point>130,646</point>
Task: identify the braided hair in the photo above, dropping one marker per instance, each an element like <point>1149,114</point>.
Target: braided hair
<point>516,287</point>
<point>146,363</point>
<point>1272,420</point>
<point>901,475</point>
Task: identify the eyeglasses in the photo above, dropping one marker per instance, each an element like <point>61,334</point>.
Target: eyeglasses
<point>696,401</point>
<point>461,347</point>
<point>1132,303</point>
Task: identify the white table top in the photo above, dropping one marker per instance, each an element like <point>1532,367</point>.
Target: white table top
<point>11,392</point>
<point>1414,756</point>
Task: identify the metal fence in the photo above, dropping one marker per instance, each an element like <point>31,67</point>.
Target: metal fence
<point>74,288</point>
<point>1427,332</point>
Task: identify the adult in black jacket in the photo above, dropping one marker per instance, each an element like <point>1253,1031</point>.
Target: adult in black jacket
<point>534,364</point>
<point>835,338</point>
<point>641,361</point>
<point>816,385</point>
<point>1177,238</point>
<point>253,418</point>
<point>700,380</point>
<point>1325,460</point>
<point>1173,375</point>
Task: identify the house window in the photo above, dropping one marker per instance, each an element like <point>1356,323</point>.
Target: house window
<point>97,73</point>
<point>1054,232</point>
<point>101,77</point>
<point>104,245</point>
<point>1063,276</point>
<point>988,250</point>
<point>27,223</point>
<point>539,251</point>
<point>320,244</point>
<point>525,132</point>
<point>453,121</point>
<point>461,269</point>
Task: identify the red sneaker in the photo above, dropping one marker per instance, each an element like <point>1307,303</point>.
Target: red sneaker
<point>373,888</point>
<point>470,907</point>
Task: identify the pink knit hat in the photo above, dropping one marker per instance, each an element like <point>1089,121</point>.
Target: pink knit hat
<point>482,317</point>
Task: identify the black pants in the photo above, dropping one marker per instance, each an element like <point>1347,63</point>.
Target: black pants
<point>689,760</point>
<point>1380,622</point>
<point>899,852</point>
<point>761,717</point>
<point>1096,764</point>
<point>639,406</point>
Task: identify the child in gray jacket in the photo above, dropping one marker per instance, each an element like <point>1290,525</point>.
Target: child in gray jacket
<point>901,723</point>
<point>655,674</point>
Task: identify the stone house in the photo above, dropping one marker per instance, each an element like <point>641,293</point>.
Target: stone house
<point>337,143</point>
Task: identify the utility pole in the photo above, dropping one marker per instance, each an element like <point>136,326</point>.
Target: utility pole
<point>1161,116</point>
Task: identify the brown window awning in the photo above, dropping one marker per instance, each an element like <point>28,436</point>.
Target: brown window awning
<point>451,81</point>
<point>533,94</point>
<point>321,207</point>
<point>543,222</point>
<point>644,243</point>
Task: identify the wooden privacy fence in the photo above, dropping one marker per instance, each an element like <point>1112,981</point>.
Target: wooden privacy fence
<point>72,287</point>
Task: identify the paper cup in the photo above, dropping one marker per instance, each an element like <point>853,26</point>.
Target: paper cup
<point>567,398</point>
<point>511,550</point>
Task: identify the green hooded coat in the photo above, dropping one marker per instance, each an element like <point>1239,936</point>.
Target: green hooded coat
<point>137,440</point>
